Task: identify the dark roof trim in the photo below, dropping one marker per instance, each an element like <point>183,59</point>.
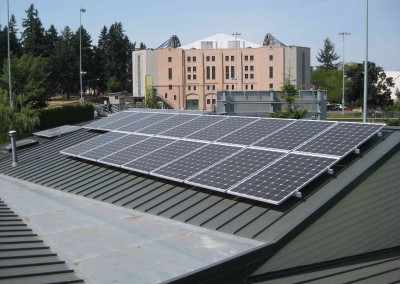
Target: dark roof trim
<point>380,257</point>
<point>24,257</point>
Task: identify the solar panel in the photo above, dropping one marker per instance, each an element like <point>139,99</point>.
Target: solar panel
<point>167,124</point>
<point>106,120</point>
<point>177,111</point>
<point>341,138</point>
<point>57,131</point>
<point>112,147</point>
<point>234,169</point>
<point>255,131</point>
<point>136,151</point>
<point>283,178</point>
<point>147,121</point>
<point>192,126</point>
<point>294,134</point>
<point>195,162</point>
<point>163,156</point>
<point>134,118</point>
<point>222,128</point>
<point>258,158</point>
<point>90,144</point>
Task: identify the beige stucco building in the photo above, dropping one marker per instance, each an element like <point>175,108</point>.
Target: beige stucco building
<point>188,77</point>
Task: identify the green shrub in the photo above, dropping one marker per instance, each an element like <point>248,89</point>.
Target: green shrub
<point>68,114</point>
<point>295,114</point>
<point>393,121</point>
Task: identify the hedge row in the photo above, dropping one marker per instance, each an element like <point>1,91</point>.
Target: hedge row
<point>67,114</point>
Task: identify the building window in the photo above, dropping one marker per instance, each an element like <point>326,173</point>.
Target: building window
<point>251,76</point>
<point>227,58</point>
<point>212,58</point>
<point>189,59</point>
<point>194,77</point>
<point>166,95</point>
<point>227,87</point>
<point>208,101</point>
<point>194,59</point>
<point>208,88</point>
<point>116,97</point>
<point>194,69</point>
<point>251,87</point>
<point>174,97</point>
<point>169,59</point>
<point>251,57</point>
<point>271,57</point>
<point>208,72</point>
<point>213,72</point>
<point>214,87</point>
<point>246,76</point>
<point>271,72</point>
<point>232,58</point>
<point>246,58</point>
<point>189,88</point>
<point>271,86</point>
<point>226,72</point>
<point>246,68</point>
<point>189,69</point>
<point>246,87</point>
<point>194,88</point>
<point>233,87</point>
<point>251,68</point>
<point>170,87</point>
<point>170,73</point>
<point>189,77</point>
<point>232,72</point>
<point>213,101</point>
<point>207,58</point>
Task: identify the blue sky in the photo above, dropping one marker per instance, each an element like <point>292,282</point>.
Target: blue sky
<point>294,22</point>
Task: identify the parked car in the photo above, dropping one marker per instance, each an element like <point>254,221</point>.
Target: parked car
<point>340,107</point>
<point>330,106</point>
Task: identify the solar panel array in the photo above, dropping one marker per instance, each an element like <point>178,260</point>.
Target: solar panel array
<point>258,158</point>
<point>57,131</point>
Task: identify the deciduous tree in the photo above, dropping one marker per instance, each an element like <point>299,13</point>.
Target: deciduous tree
<point>378,86</point>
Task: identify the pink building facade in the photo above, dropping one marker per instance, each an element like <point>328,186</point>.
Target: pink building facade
<point>189,78</point>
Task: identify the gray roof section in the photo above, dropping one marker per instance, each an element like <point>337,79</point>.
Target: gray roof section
<point>104,243</point>
<point>24,258</point>
<point>43,164</point>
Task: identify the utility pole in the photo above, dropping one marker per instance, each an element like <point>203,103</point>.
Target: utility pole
<point>236,34</point>
<point>343,34</point>
<point>81,10</point>
<point>365,110</point>
<point>9,56</point>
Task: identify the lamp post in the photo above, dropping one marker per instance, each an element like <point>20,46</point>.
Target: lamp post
<point>9,56</point>
<point>343,34</point>
<point>236,34</point>
<point>366,67</point>
<point>81,10</point>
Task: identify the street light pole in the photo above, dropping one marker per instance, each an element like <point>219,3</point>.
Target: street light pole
<point>236,34</point>
<point>9,56</point>
<point>343,34</point>
<point>81,10</point>
<point>365,111</point>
